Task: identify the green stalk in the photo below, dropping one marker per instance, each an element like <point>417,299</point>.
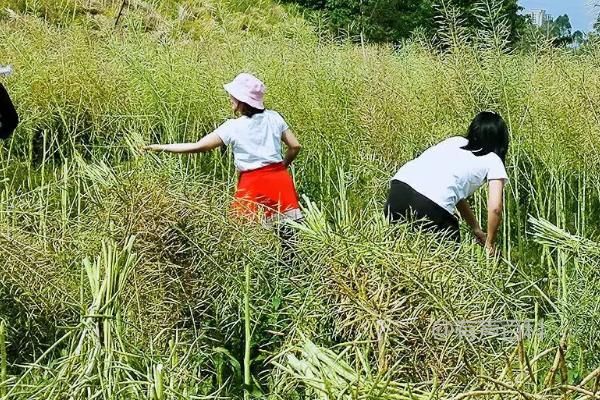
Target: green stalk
<point>44,208</point>
<point>3,374</point>
<point>64,196</point>
<point>159,388</point>
<point>248,334</point>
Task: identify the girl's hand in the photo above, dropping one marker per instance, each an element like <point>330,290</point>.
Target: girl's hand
<point>153,147</point>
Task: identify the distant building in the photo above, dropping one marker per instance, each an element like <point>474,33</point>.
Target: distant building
<point>539,17</point>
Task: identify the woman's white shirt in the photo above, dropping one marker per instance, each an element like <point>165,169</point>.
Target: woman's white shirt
<point>256,141</point>
<point>446,174</point>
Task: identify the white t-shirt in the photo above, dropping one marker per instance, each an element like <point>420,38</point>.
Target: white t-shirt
<point>447,174</point>
<point>256,141</point>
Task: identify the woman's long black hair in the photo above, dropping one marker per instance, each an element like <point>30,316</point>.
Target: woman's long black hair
<point>488,133</point>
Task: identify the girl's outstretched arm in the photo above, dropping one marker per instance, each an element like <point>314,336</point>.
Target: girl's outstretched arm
<point>293,146</point>
<point>208,142</point>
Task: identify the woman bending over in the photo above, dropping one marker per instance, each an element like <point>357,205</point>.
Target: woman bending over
<point>438,182</point>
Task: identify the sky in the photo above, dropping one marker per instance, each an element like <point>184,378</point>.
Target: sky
<point>581,12</point>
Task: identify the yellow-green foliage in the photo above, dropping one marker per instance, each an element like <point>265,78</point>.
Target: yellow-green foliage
<point>90,94</point>
<point>390,104</point>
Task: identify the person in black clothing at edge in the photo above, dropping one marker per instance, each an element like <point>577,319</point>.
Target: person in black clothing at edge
<point>9,119</point>
<point>438,182</point>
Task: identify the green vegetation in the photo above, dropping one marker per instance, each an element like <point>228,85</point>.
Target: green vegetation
<point>559,30</point>
<point>395,20</point>
<point>123,277</point>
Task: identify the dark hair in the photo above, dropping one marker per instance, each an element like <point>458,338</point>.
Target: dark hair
<point>247,110</point>
<point>488,133</point>
<point>9,119</point>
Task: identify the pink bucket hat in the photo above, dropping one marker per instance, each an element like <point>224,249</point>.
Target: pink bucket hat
<point>247,88</point>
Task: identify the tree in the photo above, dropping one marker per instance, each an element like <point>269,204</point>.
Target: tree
<point>394,20</point>
<point>559,30</point>
<point>509,9</point>
<point>561,27</point>
<point>578,38</point>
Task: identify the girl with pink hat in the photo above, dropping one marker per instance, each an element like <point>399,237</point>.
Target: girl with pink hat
<point>255,137</point>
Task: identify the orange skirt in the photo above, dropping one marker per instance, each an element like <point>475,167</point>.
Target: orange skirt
<point>269,189</point>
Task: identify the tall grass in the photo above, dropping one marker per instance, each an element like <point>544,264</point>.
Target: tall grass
<point>209,308</point>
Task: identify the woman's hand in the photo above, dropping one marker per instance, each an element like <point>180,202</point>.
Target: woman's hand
<point>467,213</point>
<point>490,249</point>
<point>480,235</point>
<point>153,147</point>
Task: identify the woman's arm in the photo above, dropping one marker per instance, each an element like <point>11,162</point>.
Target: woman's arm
<point>208,142</point>
<point>495,200</point>
<point>293,146</point>
<point>467,213</point>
